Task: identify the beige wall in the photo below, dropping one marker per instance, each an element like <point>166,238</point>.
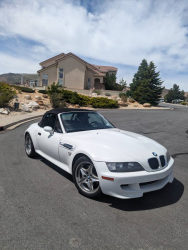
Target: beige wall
<point>74,73</point>
<point>52,75</point>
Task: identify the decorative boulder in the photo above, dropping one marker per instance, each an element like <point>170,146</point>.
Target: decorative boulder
<point>33,104</point>
<point>131,100</point>
<point>28,97</point>
<point>146,105</point>
<point>40,102</point>
<point>122,104</point>
<point>45,96</point>
<point>94,94</point>
<point>25,108</point>
<point>5,111</point>
<point>38,97</point>
<point>76,106</point>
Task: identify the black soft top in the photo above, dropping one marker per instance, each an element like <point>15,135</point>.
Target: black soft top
<point>61,110</point>
<point>64,110</point>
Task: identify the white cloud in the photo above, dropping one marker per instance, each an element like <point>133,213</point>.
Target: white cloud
<point>17,65</point>
<point>119,32</point>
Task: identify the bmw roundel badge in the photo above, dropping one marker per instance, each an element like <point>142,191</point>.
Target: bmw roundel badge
<point>154,153</point>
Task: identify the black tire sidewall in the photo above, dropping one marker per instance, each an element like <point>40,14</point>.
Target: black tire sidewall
<point>98,193</point>
<point>33,153</point>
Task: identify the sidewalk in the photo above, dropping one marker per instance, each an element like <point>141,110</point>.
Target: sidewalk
<point>11,120</point>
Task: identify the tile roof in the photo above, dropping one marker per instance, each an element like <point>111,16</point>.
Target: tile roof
<point>105,68</point>
<point>97,70</point>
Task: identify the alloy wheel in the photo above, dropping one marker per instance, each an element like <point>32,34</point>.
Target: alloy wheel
<point>86,177</point>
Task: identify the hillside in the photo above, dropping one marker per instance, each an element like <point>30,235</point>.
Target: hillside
<point>16,77</point>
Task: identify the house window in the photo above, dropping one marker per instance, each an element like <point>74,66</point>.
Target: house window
<point>60,77</point>
<point>88,83</point>
<point>44,80</point>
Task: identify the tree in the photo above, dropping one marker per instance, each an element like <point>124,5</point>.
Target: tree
<point>110,81</point>
<point>146,85</point>
<point>122,83</point>
<point>6,94</point>
<point>139,76</point>
<point>175,93</point>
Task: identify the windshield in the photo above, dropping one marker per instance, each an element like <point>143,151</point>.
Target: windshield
<point>84,120</point>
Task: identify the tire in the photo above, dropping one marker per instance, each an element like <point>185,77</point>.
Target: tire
<point>29,148</point>
<point>85,178</point>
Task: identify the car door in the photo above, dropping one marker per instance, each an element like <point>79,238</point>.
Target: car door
<point>49,143</point>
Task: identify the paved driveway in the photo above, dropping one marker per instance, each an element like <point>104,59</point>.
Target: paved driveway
<point>40,207</point>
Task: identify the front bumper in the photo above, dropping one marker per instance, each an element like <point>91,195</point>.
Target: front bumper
<point>135,184</point>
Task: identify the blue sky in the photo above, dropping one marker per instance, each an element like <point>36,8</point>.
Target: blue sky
<point>110,32</point>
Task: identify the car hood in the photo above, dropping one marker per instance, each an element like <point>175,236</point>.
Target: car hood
<point>119,145</point>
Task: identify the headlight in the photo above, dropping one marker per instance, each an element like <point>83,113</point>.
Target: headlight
<point>124,166</point>
<point>168,157</point>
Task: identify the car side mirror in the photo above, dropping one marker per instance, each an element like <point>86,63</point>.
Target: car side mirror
<point>48,129</point>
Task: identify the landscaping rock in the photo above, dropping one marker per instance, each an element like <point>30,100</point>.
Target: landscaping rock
<point>28,97</point>
<point>131,100</point>
<point>76,106</point>
<point>45,96</point>
<point>33,104</point>
<point>4,111</point>
<point>122,104</point>
<point>25,108</point>
<point>94,95</point>
<point>146,105</point>
<point>38,97</point>
<point>40,102</point>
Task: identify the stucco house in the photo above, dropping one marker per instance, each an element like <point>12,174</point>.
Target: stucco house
<point>73,72</point>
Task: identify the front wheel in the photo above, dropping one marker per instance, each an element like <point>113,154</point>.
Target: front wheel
<point>85,178</point>
<point>29,148</point>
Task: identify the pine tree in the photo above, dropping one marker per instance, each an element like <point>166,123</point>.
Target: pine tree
<point>175,93</point>
<point>147,85</point>
<point>139,76</point>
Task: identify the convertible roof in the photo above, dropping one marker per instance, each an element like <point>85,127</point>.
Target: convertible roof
<point>64,110</point>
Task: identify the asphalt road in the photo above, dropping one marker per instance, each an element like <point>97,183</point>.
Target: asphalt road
<point>40,207</point>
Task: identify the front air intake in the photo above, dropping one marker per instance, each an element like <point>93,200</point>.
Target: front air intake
<point>162,159</point>
<point>153,162</point>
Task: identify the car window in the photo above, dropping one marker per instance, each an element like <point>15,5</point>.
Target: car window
<point>93,118</point>
<point>49,120</point>
<point>82,121</point>
<point>57,127</point>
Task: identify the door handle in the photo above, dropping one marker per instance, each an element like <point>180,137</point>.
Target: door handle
<point>39,133</point>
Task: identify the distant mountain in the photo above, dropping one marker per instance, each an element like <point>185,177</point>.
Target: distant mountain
<point>12,78</point>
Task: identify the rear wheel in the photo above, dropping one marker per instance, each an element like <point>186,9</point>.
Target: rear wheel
<point>29,148</point>
<point>85,178</point>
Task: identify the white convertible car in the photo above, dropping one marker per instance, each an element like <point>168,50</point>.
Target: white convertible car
<point>101,157</point>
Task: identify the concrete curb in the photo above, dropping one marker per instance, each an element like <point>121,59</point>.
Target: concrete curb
<point>20,121</point>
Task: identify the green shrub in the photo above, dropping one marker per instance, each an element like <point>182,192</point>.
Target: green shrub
<point>23,89</point>
<point>123,97</point>
<point>6,94</point>
<point>58,97</point>
<point>42,91</point>
<point>183,103</point>
<point>102,102</point>
<point>57,101</point>
<point>107,94</point>
<point>84,100</point>
<point>74,98</point>
<point>54,88</point>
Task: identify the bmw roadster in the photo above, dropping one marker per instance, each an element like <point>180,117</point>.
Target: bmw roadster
<point>101,157</point>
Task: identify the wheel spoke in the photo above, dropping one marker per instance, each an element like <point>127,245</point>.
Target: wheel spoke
<point>94,179</point>
<point>90,169</point>
<point>90,185</point>
<point>82,180</point>
<point>83,171</point>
